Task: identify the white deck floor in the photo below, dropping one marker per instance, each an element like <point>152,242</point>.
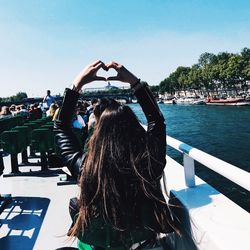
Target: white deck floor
<point>38,216</point>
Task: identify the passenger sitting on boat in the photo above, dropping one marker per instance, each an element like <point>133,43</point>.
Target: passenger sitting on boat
<point>13,109</point>
<point>121,204</point>
<point>58,105</point>
<point>52,109</point>
<point>23,111</point>
<point>35,111</point>
<point>78,121</point>
<point>88,115</point>
<point>5,112</point>
<point>98,109</point>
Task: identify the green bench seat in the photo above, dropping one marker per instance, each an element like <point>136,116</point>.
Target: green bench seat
<point>13,142</point>
<point>8,123</point>
<point>42,140</point>
<point>26,139</point>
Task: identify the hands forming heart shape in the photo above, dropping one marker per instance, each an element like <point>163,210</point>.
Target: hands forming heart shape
<point>106,73</point>
<point>89,74</point>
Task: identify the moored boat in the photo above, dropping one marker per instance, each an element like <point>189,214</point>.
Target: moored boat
<point>168,101</point>
<point>228,102</point>
<point>190,100</point>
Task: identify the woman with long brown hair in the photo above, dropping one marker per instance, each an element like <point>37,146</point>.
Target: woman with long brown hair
<point>121,204</point>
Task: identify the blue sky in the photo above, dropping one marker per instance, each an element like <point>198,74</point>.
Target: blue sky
<point>44,44</point>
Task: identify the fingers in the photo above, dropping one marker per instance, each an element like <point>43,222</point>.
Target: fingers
<point>100,78</point>
<point>99,65</point>
<point>95,63</point>
<point>114,65</point>
<point>113,78</point>
<point>111,65</point>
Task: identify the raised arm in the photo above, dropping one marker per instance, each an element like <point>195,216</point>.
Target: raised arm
<point>142,92</point>
<point>69,147</point>
<point>156,127</point>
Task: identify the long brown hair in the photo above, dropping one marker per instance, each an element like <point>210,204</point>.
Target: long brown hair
<point>117,174</point>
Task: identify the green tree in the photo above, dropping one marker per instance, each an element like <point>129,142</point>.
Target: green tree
<point>212,72</point>
<point>20,96</point>
<point>167,85</point>
<point>177,81</point>
<point>245,54</point>
<point>14,98</point>
<point>195,78</point>
<point>154,88</point>
<point>235,66</point>
<point>182,78</point>
<point>206,62</point>
<point>206,58</point>
<point>222,65</point>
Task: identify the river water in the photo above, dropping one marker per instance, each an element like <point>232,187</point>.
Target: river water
<point>223,132</point>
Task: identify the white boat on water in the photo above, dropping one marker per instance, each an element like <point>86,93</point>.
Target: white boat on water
<point>168,101</point>
<point>190,100</point>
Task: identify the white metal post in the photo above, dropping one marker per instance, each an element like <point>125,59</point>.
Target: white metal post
<point>189,171</point>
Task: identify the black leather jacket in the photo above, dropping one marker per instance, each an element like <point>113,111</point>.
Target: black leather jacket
<point>70,150</point>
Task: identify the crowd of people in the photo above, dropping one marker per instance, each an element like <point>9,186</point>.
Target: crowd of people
<point>31,111</point>
<point>83,118</point>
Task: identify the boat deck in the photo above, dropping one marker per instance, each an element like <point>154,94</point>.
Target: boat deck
<point>37,217</point>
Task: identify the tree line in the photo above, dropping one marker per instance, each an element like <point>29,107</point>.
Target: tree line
<point>213,73</point>
<point>14,98</point>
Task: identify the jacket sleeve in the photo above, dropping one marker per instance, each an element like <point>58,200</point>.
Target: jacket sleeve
<point>69,147</point>
<point>156,129</point>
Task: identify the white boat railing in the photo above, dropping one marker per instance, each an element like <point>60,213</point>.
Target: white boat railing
<point>191,154</point>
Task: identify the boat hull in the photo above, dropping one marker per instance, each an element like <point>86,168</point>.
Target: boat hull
<point>230,103</point>
<point>168,102</point>
<point>190,102</point>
